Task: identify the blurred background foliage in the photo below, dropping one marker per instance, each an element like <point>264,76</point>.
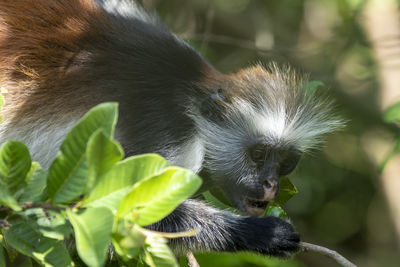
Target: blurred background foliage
<point>341,203</point>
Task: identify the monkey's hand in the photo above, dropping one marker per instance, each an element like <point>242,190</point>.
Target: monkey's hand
<point>267,235</point>
<point>224,231</point>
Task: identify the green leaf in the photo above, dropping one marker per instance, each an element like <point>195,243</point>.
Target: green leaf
<point>126,253</point>
<point>92,233</point>
<point>2,257</point>
<point>51,224</point>
<point>158,253</point>
<point>2,252</point>
<point>154,198</point>
<point>312,87</point>
<point>286,192</point>
<point>102,153</point>
<point>210,198</point>
<point>7,199</point>
<point>128,242</point>
<point>11,252</point>
<point>392,114</point>
<point>15,163</point>
<point>217,192</point>
<point>68,173</point>
<point>225,259</point>
<point>36,184</point>
<point>116,183</point>
<point>26,239</point>
<point>275,211</point>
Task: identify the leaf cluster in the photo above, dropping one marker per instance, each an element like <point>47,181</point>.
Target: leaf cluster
<point>93,195</point>
<point>90,194</point>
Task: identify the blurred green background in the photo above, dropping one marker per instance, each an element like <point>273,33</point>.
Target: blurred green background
<point>341,202</point>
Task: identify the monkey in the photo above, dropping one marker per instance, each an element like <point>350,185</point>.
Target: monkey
<point>241,131</point>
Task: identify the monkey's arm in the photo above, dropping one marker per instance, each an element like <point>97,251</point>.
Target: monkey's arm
<point>224,231</point>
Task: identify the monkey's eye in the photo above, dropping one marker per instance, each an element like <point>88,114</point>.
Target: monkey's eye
<point>257,155</point>
<point>289,164</point>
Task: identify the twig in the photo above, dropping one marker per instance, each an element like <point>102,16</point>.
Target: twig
<point>207,30</point>
<point>46,206</point>
<point>245,44</point>
<point>327,252</point>
<point>192,262</point>
<point>226,40</point>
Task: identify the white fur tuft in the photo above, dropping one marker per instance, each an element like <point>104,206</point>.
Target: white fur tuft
<point>43,139</point>
<point>189,156</point>
<point>128,9</point>
<point>273,108</point>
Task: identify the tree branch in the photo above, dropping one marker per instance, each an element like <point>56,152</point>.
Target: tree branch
<point>46,206</point>
<point>226,40</point>
<point>207,31</point>
<point>326,252</point>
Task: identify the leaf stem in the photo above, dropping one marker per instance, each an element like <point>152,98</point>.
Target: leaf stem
<point>169,235</point>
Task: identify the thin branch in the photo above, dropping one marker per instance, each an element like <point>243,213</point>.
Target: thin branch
<point>46,206</point>
<point>327,252</point>
<point>226,40</point>
<point>192,262</point>
<point>207,30</point>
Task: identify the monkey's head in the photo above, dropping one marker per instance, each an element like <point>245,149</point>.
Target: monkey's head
<point>255,126</point>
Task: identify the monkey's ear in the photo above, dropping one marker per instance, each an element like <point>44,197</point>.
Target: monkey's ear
<point>214,105</point>
<point>220,95</point>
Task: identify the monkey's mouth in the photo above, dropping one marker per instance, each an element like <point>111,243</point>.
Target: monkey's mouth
<point>255,207</point>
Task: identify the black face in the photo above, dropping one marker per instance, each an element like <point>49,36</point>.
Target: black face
<point>285,160</point>
<point>253,181</point>
<point>258,183</point>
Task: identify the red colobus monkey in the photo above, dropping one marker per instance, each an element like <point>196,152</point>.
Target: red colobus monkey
<point>241,131</point>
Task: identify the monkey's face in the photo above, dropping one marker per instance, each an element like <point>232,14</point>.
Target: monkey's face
<point>252,182</point>
<point>258,186</point>
<point>254,129</point>
<point>244,154</point>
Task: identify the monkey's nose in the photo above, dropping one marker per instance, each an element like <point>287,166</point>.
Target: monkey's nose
<point>271,189</point>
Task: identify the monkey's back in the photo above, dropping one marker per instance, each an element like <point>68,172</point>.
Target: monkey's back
<point>59,58</point>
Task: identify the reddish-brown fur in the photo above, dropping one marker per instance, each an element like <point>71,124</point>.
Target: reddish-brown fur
<point>42,45</point>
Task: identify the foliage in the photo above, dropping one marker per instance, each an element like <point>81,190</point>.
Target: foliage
<point>392,114</point>
<point>94,195</point>
<point>91,194</point>
<point>88,180</point>
<point>216,197</point>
